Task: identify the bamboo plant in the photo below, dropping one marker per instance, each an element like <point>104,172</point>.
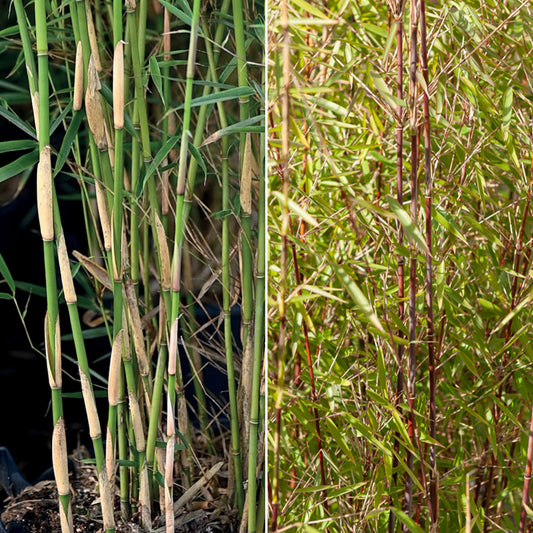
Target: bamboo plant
<point>130,146</point>
<point>423,387</point>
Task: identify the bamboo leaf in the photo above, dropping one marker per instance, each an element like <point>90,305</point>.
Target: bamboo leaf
<point>309,8</point>
<point>514,312</point>
<point>406,520</point>
<point>412,231</point>
<point>18,122</point>
<point>448,223</point>
<point>243,126</point>
<point>155,72</point>
<point>507,110</point>
<point>158,159</point>
<point>320,291</point>
<point>358,297</point>
<point>68,141</point>
<point>4,270</point>
<point>15,146</point>
<point>198,156</point>
<point>297,209</point>
<point>220,96</point>
<point>19,165</point>
<point>184,14</point>
<point>384,91</point>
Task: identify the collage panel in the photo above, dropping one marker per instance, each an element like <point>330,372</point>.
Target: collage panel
<point>399,330</point>
<point>132,266</point>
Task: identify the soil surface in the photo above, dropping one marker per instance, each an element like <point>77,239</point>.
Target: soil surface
<point>35,509</point>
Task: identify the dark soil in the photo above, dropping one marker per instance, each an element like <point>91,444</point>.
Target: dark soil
<point>35,510</point>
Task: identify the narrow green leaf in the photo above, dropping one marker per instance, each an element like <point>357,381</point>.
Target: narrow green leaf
<point>412,231</point>
<point>126,462</point>
<point>160,479</point>
<point>178,13</point>
<point>306,6</point>
<point>155,72</point>
<point>238,127</point>
<point>18,122</point>
<point>384,91</point>
<point>529,511</point>
<point>198,156</point>
<point>490,306</point>
<point>8,32</point>
<point>514,312</point>
<point>15,146</point>
<point>440,281</point>
<point>68,140</point>
<point>4,270</point>
<point>507,110</point>
<point>5,296</point>
<point>158,159</point>
<point>321,291</point>
<point>221,214</point>
<point>19,165</point>
<point>448,223</point>
<point>406,520</point>
<point>297,209</point>
<point>220,96</point>
<point>31,288</point>
<point>91,333</point>
<point>400,426</point>
<point>358,297</point>
<point>61,117</point>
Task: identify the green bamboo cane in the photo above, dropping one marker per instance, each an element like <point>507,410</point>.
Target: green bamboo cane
<point>165,123</point>
<point>246,240</point>
<point>46,223</point>
<point>254,513</point>
<point>163,348</point>
<point>179,222</point>
<point>204,109</point>
<point>123,450</point>
<point>246,213</point>
<point>117,22</point>
<point>259,324</point>
<point>28,54</point>
<point>135,167</point>
<point>226,294</point>
<point>85,377</point>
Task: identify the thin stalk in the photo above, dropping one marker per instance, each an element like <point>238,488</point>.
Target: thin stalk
<point>246,238</point>
<point>123,450</point>
<point>118,112</point>
<point>282,339</point>
<point>204,109</point>
<point>28,54</point>
<point>411,393</point>
<point>85,377</point>
<point>527,477</point>
<point>117,21</point>
<point>433,478</point>
<point>226,293</point>
<point>138,80</point>
<point>401,261</point>
<point>45,194</point>
<point>259,324</point>
<point>179,223</point>
<point>68,287</point>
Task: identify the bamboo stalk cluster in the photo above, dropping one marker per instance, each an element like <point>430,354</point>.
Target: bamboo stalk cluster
<point>128,203</point>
